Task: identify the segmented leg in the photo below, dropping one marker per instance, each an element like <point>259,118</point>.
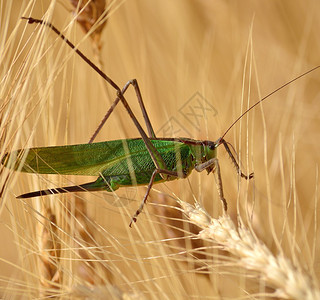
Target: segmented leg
<point>234,161</point>
<point>134,83</point>
<point>213,164</point>
<point>217,175</point>
<point>144,200</point>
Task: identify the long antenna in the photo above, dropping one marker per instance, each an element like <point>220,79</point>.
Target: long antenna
<point>264,98</point>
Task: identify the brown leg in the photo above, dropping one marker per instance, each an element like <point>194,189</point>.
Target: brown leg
<point>134,83</point>
<point>225,144</point>
<point>217,173</point>
<point>144,200</point>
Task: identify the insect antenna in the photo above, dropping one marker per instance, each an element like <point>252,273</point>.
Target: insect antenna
<point>221,139</point>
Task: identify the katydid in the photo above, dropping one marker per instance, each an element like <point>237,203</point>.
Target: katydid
<point>140,161</point>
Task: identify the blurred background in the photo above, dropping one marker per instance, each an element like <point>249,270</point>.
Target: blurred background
<point>199,65</point>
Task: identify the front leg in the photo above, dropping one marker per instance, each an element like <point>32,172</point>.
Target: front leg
<point>213,164</point>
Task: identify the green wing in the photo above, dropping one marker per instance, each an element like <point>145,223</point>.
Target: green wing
<point>90,159</point>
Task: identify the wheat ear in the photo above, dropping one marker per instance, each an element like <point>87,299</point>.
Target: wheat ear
<point>278,272</point>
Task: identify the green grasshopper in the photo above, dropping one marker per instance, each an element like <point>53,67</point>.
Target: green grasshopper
<point>139,161</point>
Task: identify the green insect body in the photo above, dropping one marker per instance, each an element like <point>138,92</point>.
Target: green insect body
<point>142,161</point>
<point>115,167</point>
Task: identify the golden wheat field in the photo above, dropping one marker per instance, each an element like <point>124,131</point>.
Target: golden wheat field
<point>199,65</point>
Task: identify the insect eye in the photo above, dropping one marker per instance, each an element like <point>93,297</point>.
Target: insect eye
<point>212,146</point>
